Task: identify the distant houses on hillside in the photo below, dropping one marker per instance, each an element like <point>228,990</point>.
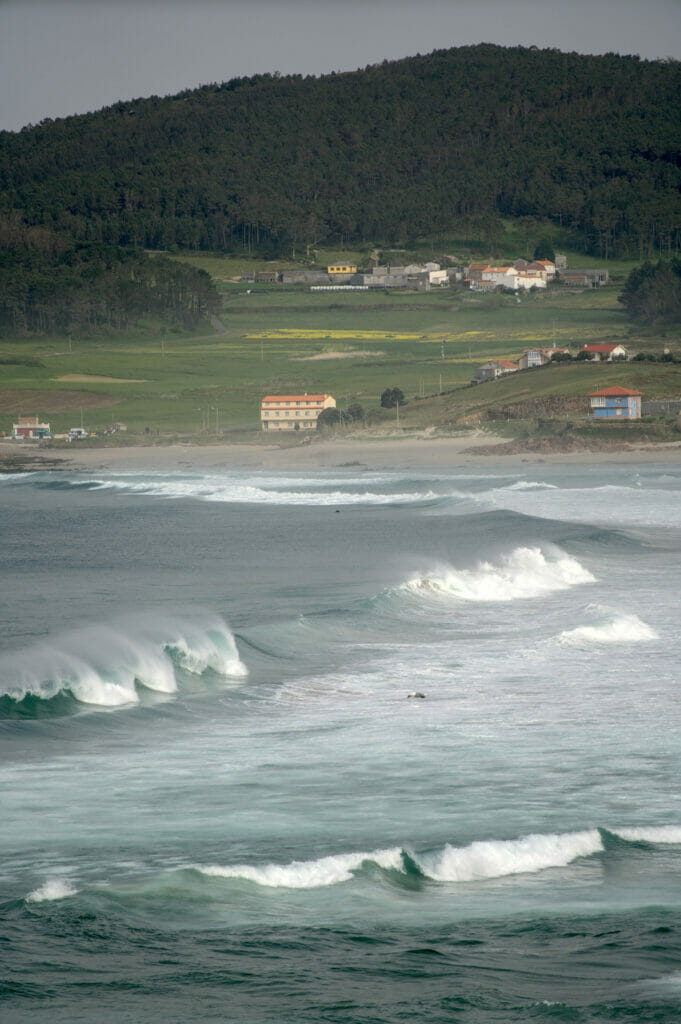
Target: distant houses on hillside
<point>605,353</point>
<point>534,357</point>
<point>520,275</point>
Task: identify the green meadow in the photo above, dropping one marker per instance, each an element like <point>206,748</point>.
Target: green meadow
<point>162,383</point>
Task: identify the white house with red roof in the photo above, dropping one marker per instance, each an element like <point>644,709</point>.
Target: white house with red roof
<point>605,353</point>
<point>293,412</point>
<point>616,402</point>
<point>511,277</point>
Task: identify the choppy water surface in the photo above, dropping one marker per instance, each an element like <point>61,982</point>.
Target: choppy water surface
<point>218,802</point>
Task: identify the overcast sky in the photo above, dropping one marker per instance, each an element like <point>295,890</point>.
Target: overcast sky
<point>60,57</point>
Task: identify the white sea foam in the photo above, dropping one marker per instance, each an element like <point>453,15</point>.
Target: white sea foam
<point>104,665</point>
<point>531,485</point>
<point>524,573</point>
<point>215,649</point>
<point>311,874</point>
<point>653,834</point>
<point>617,629</point>
<point>53,889</point>
<point>270,491</point>
<point>480,861</point>
<point>496,858</point>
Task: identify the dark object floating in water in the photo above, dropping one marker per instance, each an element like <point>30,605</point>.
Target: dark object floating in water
<point>415,693</point>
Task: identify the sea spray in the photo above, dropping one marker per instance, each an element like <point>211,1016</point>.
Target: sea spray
<point>104,665</point>
<point>53,889</point>
<point>615,628</point>
<point>526,572</point>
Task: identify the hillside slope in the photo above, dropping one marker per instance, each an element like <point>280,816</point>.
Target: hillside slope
<point>437,144</point>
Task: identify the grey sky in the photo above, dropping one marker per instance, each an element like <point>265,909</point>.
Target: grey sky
<point>60,57</point>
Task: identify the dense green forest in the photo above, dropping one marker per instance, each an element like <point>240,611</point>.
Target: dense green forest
<point>50,283</point>
<point>444,146</point>
<point>652,292</point>
<point>437,145</point>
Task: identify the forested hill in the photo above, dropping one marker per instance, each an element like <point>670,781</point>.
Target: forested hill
<point>431,145</point>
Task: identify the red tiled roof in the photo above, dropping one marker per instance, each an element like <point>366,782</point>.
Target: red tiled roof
<point>600,348</point>
<point>295,398</point>
<point>614,391</point>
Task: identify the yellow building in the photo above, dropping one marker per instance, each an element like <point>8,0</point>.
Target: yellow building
<point>342,268</point>
<point>293,412</point>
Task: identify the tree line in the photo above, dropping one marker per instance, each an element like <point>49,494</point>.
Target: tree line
<point>445,145</point>
<point>50,283</point>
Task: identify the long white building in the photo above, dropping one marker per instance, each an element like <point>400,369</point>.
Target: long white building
<point>293,412</point>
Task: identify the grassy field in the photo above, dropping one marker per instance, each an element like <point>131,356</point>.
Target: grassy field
<point>352,345</point>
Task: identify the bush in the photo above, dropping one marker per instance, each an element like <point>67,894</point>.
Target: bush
<point>354,412</point>
<point>392,397</point>
<point>328,418</point>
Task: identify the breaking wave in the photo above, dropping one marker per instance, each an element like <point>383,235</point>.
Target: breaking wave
<point>494,859</point>
<point>265,490</point>
<point>310,874</point>
<point>105,665</point>
<point>53,889</point>
<point>524,573</point>
<point>613,629</point>
<point>478,862</point>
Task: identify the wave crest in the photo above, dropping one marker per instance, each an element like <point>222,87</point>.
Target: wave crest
<point>616,629</point>
<point>496,858</point>
<point>525,573</point>
<point>105,665</point>
<point>310,874</point>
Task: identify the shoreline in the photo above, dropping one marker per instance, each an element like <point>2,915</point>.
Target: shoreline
<point>375,453</point>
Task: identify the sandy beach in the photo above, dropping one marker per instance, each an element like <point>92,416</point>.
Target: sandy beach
<point>482,450</point>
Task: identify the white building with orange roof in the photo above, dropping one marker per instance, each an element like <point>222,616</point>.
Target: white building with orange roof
<point>293,412</point>
<point>511,277</point>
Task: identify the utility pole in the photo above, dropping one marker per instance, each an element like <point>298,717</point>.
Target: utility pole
<point>440,383</point>
<point>443,348</point>
<point>397,411</point>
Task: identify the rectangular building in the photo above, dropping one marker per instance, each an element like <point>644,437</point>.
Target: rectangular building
<point>616,403</point>
<point>293,412</point>
<point>28,427</point>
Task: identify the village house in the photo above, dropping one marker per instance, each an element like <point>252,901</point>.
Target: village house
<point>341,270</point>
<point>605,353</point>
<point>29,428</point>
<point>293,412</point>
<point>494,368</point>
<point>584,278</point>
<point>616,403</point>
<point>488,278</point>
<point>532,357</point>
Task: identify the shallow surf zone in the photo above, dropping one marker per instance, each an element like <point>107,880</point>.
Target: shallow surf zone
<point>110,666</point>
<point>638,502</point>
<point>525,572</point>
<point>260,489</point>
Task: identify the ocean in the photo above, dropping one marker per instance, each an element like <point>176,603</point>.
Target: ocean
<point>220,803</point>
